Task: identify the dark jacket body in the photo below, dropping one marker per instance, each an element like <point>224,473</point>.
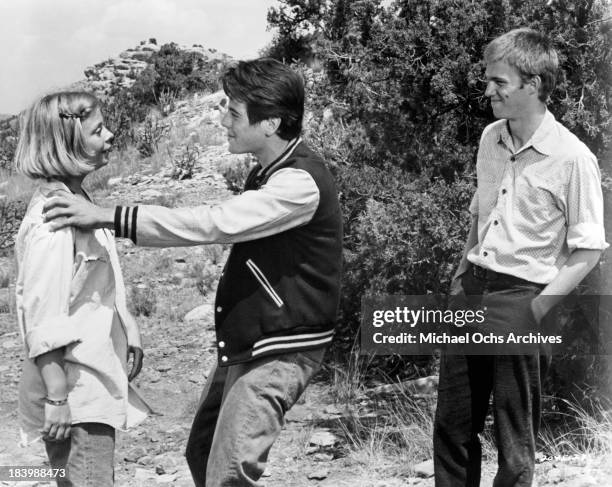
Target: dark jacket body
<point>281,293</point>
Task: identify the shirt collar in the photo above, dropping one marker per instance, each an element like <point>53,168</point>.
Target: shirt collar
<point>52,187</point>
<point>544,139</point>
<point>282,158</point>
<point>49,186</point>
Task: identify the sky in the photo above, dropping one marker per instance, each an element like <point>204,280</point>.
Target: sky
<point>47,44</point>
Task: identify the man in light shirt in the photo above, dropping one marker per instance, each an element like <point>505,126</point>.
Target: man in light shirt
<point>537,230</point>
<point>277,298</point>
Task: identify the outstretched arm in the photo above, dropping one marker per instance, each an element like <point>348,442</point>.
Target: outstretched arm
<point>289,199</point>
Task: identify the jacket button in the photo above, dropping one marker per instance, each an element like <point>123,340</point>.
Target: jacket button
<point>221,344</point>
<point>224,358</point>
<point>219,309</point>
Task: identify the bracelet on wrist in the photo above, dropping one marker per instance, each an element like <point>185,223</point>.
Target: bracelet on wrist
<point>61,402</point>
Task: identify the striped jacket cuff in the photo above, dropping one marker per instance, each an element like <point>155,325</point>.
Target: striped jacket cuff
<point>125,222</point>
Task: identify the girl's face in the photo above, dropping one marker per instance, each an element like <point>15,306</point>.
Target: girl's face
<point>96,137</point>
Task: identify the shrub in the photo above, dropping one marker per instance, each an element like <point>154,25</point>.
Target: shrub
<point>235,173</point>
<point>173,72</point>
<point>166,102</point>
<point>143,89</point>
<point>205,273</point>
<point>9,135</point>
<point>403,235</point>
<point>11,214</point>
<point>398,108</point>
<point>122,112</point>
<point>142,301</point>
<point>183,162</point>
<point>149,135</point>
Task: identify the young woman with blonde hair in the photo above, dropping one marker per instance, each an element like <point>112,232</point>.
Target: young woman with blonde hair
<point>71,304</point>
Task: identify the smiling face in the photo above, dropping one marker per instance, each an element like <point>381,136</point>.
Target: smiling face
<point>510,96</point>
<point>243,137</point>
<point>97,138</point>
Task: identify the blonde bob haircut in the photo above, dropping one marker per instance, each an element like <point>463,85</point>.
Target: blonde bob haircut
<point>51,141</point>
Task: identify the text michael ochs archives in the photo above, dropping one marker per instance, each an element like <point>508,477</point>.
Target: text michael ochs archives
<point>418,325</point>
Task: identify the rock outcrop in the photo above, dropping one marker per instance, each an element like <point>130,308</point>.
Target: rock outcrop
<point>121,71</point>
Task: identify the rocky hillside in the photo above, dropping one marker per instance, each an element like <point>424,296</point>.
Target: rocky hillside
<point>121,71</point>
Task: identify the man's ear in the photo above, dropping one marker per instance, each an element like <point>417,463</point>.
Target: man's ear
<point>271,125</point>
<point>535,83</point>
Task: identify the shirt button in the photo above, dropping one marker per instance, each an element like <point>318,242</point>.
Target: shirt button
<point>224,358</point>
<point>219,309</point>
<point>221,344</point>
<point>495,222</point>
<point>513,158</point>
<point>485,253</point>
<point>504,191</point>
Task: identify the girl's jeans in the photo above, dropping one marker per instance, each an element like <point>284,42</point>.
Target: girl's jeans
<point>87,456</point>
<point>241,414</point>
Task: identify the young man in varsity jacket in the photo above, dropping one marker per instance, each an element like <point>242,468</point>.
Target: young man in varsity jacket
<point>278,295</point>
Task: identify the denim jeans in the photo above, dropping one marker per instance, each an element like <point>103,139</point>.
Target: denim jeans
<point>466,384</point>
<point>241,414</point>
<point>87,456</point>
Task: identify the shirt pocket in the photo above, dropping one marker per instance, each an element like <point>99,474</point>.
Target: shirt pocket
<point>536,198</point>
<point>264,283</point>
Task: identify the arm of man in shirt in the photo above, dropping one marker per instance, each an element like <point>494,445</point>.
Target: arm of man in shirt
<point>289,199</point>
<point>472,240</point>
<point>583,203</point>
<point>575,269</point>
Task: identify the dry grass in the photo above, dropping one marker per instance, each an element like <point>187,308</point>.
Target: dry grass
<point>394,433</point>
<point>347,380</point>
<point>579,431</point>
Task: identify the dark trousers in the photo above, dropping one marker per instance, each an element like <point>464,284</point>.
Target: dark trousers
<point>467,382</point>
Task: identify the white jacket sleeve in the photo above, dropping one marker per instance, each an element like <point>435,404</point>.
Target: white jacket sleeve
<point>289,199</point>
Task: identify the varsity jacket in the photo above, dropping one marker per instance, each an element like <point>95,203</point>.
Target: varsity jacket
<point>279,290</point>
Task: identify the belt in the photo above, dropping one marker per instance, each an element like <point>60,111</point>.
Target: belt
<point>488,275</point>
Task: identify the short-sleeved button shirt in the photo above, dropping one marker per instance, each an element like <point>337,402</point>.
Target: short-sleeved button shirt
<point>537,204</point>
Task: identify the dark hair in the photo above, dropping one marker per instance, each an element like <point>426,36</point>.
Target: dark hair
<point>529,51</point>
<point>269,89</point>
